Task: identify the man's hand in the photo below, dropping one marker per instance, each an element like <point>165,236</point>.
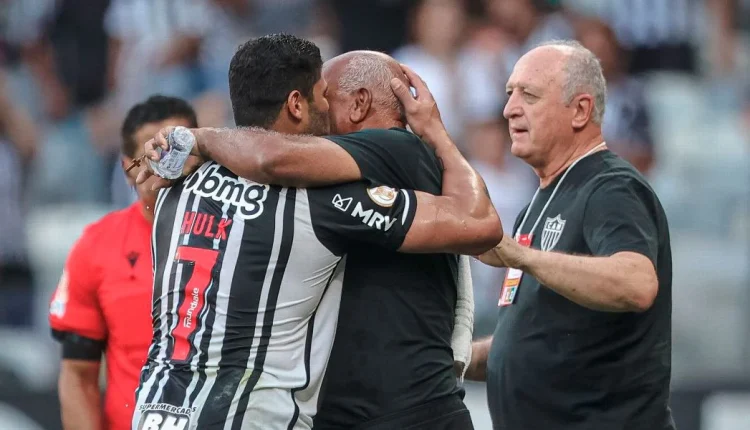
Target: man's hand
<point>422,112</point>
<point>507,253</point>
<point>150,148</point>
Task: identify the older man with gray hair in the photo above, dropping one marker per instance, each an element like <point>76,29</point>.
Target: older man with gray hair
<point>583,339</point>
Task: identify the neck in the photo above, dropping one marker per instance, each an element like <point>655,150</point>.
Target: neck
<point>380,122</point>
<point>548,173</point>
<point>147,213</point>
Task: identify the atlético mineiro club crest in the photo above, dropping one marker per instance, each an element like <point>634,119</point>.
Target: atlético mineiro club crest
<point>553,228</point>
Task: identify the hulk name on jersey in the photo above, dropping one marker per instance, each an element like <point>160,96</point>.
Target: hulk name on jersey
<point>244,306</point>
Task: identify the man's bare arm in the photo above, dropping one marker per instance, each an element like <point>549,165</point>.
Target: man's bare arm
<point>80,396</point>
<point>462,219</point>
<point>622,282</point>
<point>480,352</point>
<point>268,157</point>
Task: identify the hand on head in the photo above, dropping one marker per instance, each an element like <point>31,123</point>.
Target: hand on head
<point>422,112</point>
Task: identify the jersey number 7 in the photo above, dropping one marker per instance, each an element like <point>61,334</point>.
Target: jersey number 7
<point>203,262</point>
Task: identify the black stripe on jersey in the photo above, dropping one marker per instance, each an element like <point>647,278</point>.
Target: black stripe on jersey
<point>178,381</point>
<point>308,348</point>
<point>171,309</point>
<point>285,250</point>
<point>241,313</point>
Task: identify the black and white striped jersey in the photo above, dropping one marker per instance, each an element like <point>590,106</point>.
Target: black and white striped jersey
<point>244,306</point>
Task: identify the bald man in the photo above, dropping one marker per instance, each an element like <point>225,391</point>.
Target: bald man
<point>391,365</point>
<point>583,339</point>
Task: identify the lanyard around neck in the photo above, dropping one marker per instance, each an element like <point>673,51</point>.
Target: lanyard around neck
<point>554,191</point>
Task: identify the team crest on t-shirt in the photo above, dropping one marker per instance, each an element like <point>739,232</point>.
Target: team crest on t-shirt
<point>553,228</point>
<point>382,195</point>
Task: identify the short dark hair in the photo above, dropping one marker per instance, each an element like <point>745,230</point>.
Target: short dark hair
<point>265,70</point>
<point>155,109</point>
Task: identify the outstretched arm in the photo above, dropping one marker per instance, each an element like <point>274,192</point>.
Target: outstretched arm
<point>269,157</point>
<point>263,156</point>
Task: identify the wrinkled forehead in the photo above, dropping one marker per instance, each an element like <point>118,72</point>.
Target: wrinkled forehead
<point>540,68</point>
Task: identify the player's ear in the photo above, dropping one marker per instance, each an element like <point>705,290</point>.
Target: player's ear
<point>126,161</point>
<point>294,105</point>
<point>584,110</point>
<point>362,104</point>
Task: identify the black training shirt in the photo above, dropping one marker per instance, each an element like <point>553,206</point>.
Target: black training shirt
<point>392,349</point>
<point>557,365</point>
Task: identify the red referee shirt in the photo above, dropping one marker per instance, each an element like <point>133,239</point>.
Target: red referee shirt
<point>105,294</point>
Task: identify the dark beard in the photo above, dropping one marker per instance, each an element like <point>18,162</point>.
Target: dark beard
<point>319,122</point>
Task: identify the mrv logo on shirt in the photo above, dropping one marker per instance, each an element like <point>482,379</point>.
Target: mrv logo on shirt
<point>368,217</point>
<point>247,196</point>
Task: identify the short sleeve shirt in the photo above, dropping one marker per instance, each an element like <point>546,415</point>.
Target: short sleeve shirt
<point>554,363</point>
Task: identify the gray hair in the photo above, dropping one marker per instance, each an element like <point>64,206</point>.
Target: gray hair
<point>583,74</point>
<point>370,70</point>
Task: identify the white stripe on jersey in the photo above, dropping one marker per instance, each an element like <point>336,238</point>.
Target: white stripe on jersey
<point>278,231</point>
<point>325,322</point>
<point>406,207</point>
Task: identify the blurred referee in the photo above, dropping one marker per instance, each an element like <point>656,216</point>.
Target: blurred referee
<point>583,339</point>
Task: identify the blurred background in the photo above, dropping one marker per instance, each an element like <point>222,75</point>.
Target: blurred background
<point>678,108</point>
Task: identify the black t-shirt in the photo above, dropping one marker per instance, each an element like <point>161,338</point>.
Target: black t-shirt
<point>392,349</point>
<point>557,365</point>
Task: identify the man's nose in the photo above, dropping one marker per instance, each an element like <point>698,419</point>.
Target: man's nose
<point>512,107</point>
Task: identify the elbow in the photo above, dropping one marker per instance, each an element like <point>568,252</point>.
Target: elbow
<point>644,294</point>
<point>488,233</point>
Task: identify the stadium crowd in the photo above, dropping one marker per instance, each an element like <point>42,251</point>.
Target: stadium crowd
<point>678,109</point>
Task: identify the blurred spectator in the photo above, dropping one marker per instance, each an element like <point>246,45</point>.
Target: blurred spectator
<point>664,35</point>
<point>67,53</point>
<point>153,47</point>
<point>526,23</point>
<point>378,25</point>
<point>24,51</point>
<point>627,125</point>
<point>234,22</point>
<point>461,80</point>
<point>17,145</point>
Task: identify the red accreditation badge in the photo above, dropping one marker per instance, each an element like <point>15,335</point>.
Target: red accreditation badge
<point>513,277</point>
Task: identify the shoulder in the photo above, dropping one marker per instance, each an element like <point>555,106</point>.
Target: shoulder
<point>112,221</point>
<point>106,227</point>
<point>616,177</point>
<point>390,137</point>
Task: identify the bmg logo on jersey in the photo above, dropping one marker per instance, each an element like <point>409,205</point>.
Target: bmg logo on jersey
<point>167,417</point>
<point>246,195</point>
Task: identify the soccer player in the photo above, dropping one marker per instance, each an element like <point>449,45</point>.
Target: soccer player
<point>102,304</point>
<point>245,286</point>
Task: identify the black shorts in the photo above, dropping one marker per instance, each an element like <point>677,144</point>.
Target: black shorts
<point>447,413</point>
